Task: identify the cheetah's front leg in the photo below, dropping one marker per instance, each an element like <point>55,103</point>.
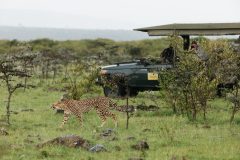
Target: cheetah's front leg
<point>65,118</point>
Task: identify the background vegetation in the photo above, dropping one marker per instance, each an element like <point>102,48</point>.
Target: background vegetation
<point>191,122</point>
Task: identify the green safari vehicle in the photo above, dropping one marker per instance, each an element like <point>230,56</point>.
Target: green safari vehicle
<point>132,77</point>
<point>144,74</point>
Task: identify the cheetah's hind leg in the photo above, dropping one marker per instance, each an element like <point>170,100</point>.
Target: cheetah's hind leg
<point>113,116</point>
<point>80,119</point>
<point>103,123</point>
<point>103,119</point>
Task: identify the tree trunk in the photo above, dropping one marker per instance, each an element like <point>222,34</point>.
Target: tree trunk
<point>194,108</point>
<point>25,83</point>
<point>235,107</point>
<point>8,107</point>
<point>205,111</point>
<point>187,108</point>
<point>25,79</point>
<point>174,108</point>
<point>204,114</point>
<point>194,113</point>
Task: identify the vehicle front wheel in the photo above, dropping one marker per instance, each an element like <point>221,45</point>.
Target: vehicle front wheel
<point>133,92</point>
<point>119,91</point>
<point>114,92</point>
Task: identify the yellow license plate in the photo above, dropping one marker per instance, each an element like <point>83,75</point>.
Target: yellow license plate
<point>152,76</point>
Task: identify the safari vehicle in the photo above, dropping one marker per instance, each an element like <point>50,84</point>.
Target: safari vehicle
<point>132,77</point>
<point>143,74</point>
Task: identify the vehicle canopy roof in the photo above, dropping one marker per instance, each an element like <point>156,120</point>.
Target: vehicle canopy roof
<point>195,29</point>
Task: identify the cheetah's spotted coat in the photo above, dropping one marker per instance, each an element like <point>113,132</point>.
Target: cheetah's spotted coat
<point>78,107</point>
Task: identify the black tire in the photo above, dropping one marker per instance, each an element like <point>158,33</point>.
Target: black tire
<point>119,92</point>
<point>116,92</point>
<point>108,92</point>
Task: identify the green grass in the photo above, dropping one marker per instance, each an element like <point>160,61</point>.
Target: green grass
<point>169,135</point>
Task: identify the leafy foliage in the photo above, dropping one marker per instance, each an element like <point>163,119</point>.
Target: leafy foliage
<point>193,82</point>
<point>11,72</point>
<point>81,78</point>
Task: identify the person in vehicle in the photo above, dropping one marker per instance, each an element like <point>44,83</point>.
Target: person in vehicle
<point>199,51</point>
<point>167,54</point>
<point>194,46</point>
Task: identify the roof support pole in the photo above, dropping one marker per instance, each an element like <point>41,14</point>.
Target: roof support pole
<point>186,42</point>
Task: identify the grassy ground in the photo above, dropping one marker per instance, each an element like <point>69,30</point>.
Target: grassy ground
<point>169,136</point>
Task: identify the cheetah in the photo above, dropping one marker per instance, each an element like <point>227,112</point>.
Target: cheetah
<point>78,107</point>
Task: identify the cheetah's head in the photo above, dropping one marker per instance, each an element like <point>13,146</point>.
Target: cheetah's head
<point>58,105</point>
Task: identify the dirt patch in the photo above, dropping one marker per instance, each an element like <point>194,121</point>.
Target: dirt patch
<point>72,141</point>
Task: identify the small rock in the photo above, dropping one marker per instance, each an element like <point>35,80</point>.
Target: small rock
<point>3,132</point>
<point>107,132</point>
<point>98,148</point>
<point>141,145</point>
